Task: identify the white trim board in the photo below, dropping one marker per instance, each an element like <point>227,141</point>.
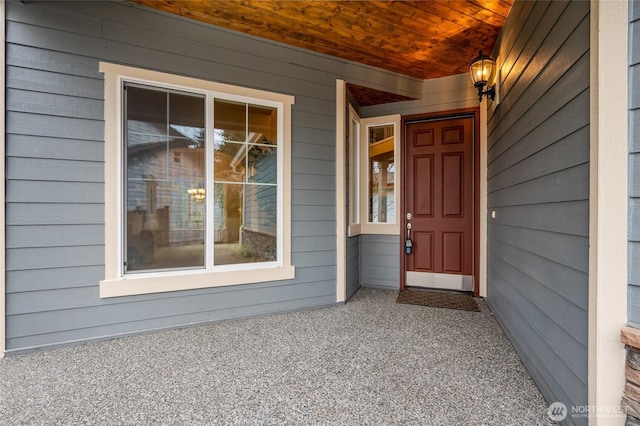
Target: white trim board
<point>341,194</point>
<point>483,220</point>
<point>608,198</point>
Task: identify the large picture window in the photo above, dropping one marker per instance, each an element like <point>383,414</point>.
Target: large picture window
<point>202,173</point>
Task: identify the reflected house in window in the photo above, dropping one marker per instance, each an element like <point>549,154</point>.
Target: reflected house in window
<point>166,190</point>
<point>381,146</point>
<point>165,160</point>
<point>245,189</point>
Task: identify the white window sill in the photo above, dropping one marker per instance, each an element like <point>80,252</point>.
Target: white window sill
<point>354,230</point>
<point>373,229</point>
<point>380,229</point>
<point>189,280</point>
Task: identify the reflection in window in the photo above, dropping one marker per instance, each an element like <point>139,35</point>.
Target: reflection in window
<point>381,174</point>
<point>164,142</point>
<point>245,175</point>
<point>169,181</point>
<point>354,170</point>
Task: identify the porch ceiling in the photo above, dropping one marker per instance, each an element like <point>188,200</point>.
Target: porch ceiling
<point>422,39</point>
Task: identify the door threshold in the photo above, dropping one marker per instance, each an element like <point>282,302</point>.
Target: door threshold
<point>439,290</point>
<point>439,280</point>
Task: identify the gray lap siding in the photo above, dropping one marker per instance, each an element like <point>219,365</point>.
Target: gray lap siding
<point>55,165</point>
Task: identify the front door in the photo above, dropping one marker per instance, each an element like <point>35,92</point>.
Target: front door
<point>439,203</point>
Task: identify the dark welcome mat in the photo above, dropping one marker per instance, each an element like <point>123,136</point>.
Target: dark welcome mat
<point>461,302</point>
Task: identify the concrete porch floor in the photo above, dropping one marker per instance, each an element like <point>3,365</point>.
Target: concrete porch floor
<point>371,361</point>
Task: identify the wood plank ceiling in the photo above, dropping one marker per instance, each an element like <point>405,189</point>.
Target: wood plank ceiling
<point>422,39</point>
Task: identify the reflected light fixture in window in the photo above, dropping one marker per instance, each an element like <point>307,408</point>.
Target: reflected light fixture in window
<point>482,69</point>
<point>196,194</point>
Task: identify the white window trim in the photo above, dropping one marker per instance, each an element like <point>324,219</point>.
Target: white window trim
<point>115,282</point>
<point>367,227</point>
<point>354,196</point>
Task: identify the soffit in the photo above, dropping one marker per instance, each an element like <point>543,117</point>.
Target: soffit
<point>421,39</point>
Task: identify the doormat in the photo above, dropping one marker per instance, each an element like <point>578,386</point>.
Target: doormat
<point>461,302</point>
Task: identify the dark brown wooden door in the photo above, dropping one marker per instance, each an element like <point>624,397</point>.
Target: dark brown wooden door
<point>439,195</point>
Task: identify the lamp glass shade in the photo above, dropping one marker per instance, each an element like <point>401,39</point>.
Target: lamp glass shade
<point>481,70</point>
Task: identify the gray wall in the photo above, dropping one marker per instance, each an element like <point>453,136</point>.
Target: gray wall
<point>633,300</point>
<point>380,261</point>
<point>353,243</point>
<point>55,168</point>
<point>353,265</point>
<point>538,185</point>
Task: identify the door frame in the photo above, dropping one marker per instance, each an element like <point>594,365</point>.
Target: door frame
<point>444,115</point>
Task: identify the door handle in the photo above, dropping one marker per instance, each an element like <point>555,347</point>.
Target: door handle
<point>408,244</point>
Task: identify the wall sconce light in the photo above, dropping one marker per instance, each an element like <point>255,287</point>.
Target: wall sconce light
<point>481,70</point>
<point>196,194</point>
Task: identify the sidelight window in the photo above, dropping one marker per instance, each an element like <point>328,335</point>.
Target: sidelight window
<point>379,175</point>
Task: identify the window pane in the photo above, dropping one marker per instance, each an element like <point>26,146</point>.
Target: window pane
<point>165,209</point>
<point>260,221</point>
<point>228,203</point>
<point>353,171</point>
<point>381,174</point>
<point>263,125</point>
<point>146,111</point>
<point>245,217</point>
<point>229,162</point>
<point>263,164</point>
<point>230,121</point>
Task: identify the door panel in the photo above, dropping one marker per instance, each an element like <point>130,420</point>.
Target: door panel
<point>439,196</point>
<point>453,182</point>
<point>423,167</point>
<point>425,262</point>
<point>453,134</point>
<point>452,247</point>
<point>424,137</point>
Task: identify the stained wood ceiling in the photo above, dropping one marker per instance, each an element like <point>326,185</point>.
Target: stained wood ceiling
<point>422,39</point>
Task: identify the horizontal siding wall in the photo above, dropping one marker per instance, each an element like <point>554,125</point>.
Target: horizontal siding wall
<point>353,265</point>
<point>380,261</point>
<point>633,312</point>
<point>55,165</point>
<point>538,186</point>
<point>353,243</point>
<point>438,94</point>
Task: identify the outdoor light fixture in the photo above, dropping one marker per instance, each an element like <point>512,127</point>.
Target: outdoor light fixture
<point>481,70</point>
